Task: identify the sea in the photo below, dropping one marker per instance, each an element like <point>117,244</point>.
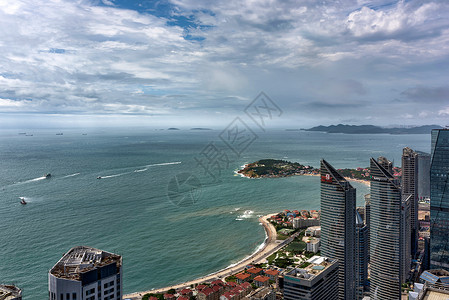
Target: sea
<point>169,201</point>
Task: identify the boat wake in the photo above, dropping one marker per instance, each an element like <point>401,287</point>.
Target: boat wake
<point>71,175</point>
<point>139,169</point>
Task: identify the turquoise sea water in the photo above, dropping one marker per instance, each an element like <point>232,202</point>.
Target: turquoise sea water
<point>128,211</point>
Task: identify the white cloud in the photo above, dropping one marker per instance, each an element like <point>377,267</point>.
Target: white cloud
<point>67,57</point>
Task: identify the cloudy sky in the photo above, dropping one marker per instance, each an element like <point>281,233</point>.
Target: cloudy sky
<point>196,62</point>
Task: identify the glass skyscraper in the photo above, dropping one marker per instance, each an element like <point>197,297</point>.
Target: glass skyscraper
<point>338,228</point>
<point>439,200</point>
<point>385,234</point>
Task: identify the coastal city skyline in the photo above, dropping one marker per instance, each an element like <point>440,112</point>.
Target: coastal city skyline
<point>224,150</point>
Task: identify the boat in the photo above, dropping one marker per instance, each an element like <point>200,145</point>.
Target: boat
<point>99,177</point>
<point>48,175</point>
<point>22,200</point>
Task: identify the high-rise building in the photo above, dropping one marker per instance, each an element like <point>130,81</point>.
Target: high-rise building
<point>10,292</point>
<point>86,273</point>
<point>368,217</point>
<point>385,234</point>
<point>439,200</point>
<point>361,261</point>
<point>386,164</point>
<point>409,186</point>
<point>406,232</point>
<point>338,240</point>
<point>317,281</point>
<point>423,175</point>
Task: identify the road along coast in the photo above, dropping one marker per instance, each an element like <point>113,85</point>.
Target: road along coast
<point>270,246</point>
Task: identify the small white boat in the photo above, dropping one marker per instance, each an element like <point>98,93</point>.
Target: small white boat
<point>22,200</point>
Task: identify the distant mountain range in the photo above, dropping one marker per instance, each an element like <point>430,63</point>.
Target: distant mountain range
<point>370,129</point>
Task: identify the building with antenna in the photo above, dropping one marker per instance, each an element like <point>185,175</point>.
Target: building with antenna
<point>439,200</point>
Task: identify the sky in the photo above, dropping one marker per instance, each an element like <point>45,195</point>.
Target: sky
<point>201,63</point>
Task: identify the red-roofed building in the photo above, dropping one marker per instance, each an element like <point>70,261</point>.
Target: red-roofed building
<point>228,296</point>
<point>206,294</point>
<point>218,289</point>
<point>261,281</point>
<point>169,297</point>
<point>153,298</point>
<point>242,277</point>
<point>272,274</point>
<point>254,272</point>
<point>246,286</point>
<point>230,285</point>
<point>217,282</point>
<point>199,287</point>
<point>183,298</point>
<point>186,292</point>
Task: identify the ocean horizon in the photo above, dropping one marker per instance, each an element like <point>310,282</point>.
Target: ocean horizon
<point>135,210</point>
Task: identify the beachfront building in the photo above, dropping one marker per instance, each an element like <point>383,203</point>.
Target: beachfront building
<point>317,281</point>
<point>10,292</point>
<point>86,273</point>
<point>361,261</point>
<point>243,277</point>
<point>338,230</point>
<point>385,234</point>
<point>439,200</point>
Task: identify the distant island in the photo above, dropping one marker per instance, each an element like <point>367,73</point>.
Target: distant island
<point>273,168</point>
<point>371,129</point>
<point>173,128</point>
<point>200,128</point>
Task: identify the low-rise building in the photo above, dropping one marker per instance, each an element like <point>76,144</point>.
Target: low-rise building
<point>254,272</point>
<point>318,280</point>
<point>206,294</point>
<point>313,245</point>
<point>427,291</point>
<point>169,296</point>
<point>263,293</point>
<point>300,222</point>
<point>261,280</point>
<point>10,292</point>
<point>272,274</point>
<point>186,292</point>
<point>242,277</point>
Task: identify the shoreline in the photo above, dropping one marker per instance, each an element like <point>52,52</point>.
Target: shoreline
<point>263,251</point>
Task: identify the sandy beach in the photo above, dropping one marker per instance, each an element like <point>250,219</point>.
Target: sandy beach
<point>270,246</point>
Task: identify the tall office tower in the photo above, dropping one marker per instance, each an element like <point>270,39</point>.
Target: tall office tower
<point>368,217</point>
<point>423,175</point>
<point>406,232</point>
<point>409,186</point>
<point>385,234</point>
<point>338,231</point>
<point>361,261</point>
<point>386,164</point>
<point>439,200</point>
<point>86,273</point>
